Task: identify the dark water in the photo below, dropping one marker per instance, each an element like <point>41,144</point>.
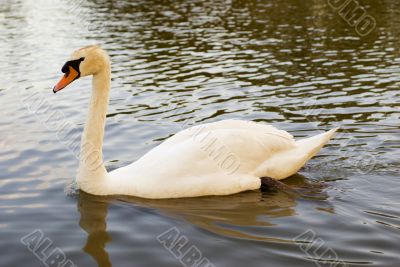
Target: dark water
<point>293,63</point>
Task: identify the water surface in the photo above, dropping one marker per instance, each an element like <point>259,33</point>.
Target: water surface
<point>295,64</point>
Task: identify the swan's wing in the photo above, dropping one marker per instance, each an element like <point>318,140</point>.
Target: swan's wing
<point>219,158</point>
<point>233,145</point>
<point>232,125</point>
<point>210,159</point>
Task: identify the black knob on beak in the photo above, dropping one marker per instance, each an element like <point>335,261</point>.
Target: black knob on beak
<point>65,68</point>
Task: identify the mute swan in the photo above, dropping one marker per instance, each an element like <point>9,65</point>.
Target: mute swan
<point>218,158</point>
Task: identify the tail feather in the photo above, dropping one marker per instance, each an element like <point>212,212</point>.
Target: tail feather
<point>287,163</point>
<point>312,145</point>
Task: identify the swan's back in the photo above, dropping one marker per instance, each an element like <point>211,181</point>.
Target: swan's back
<point>233,145</point>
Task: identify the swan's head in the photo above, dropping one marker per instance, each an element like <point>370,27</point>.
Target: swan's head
<point>86,61</point>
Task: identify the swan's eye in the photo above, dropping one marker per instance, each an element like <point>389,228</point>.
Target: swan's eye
<point>72,63</point>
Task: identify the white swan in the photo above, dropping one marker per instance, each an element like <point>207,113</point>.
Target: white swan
<point>219,158</point>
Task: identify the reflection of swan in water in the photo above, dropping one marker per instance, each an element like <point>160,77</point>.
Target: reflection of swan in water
<point>225,215</point>
<point>232,216</point>
<point>93,210</point>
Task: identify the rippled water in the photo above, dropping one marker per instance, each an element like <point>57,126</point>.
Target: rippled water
<point>295,64</point>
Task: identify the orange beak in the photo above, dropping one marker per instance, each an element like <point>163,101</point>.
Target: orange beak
<point>68,78</point>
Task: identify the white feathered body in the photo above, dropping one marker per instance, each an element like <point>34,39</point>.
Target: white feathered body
<point>219,158</point>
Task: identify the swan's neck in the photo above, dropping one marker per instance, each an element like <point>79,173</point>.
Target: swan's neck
<point>91,168</point>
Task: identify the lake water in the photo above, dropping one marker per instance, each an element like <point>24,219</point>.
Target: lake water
<point>292,63</point>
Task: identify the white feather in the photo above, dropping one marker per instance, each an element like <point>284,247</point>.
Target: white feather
<point>219,158</point>
<point>184,166</point>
